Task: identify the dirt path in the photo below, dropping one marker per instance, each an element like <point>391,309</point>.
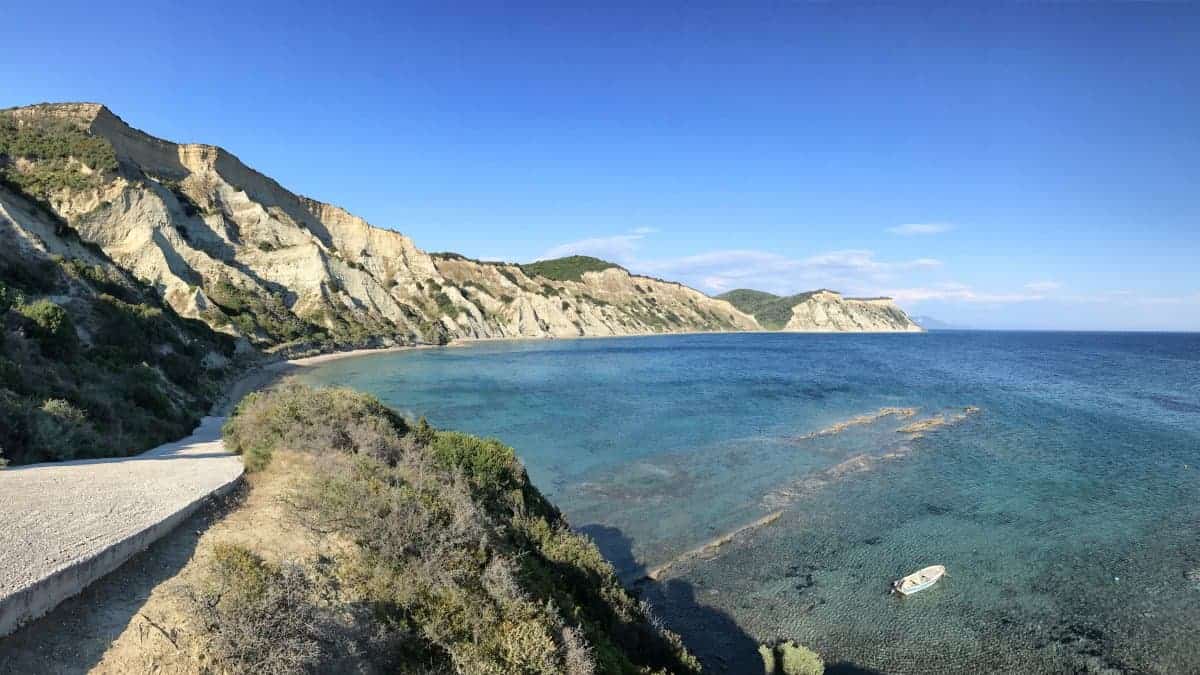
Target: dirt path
<point>137,619</point>
<point>65,524</point>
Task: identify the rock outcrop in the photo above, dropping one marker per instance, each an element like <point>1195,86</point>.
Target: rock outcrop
<point>228,245</point>
<point>828,311</point>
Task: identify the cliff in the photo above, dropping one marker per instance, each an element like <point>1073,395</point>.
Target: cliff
<point>822,311</point>
<point>223,243</point>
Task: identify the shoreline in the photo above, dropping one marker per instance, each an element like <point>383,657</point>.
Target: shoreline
<point>266,374</point>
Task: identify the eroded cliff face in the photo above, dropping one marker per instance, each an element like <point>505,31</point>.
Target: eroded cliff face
<point>228,245</point>
<point>828,311</point>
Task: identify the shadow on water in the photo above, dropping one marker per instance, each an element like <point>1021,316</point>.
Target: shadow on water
<point>709,633</point>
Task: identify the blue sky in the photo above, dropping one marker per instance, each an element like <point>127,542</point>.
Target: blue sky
<point>992,165</point>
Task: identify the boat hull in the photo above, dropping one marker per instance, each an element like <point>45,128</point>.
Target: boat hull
<point>919,580</point>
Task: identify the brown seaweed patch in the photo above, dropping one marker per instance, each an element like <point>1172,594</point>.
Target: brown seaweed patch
<point>859,421</point>
<point>917,429</point>
<point>710,548</point>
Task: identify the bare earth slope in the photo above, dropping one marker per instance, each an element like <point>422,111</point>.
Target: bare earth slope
<point>229,245</point>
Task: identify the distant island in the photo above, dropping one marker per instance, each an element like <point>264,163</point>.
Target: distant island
<point>930,323</point>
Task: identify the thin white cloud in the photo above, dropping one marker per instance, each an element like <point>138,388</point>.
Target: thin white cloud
<point>1038,291</point>
<point>956,292</point>
<point>853,271</point>
<point>917,229</point>
<point>1043,286</point>
<point>619,248</point>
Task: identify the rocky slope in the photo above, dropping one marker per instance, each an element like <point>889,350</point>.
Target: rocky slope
<point>92,363</point>
<point>823,311</point>
<point>228,245</point>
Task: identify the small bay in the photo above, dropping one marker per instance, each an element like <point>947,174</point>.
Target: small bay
<point>775,483</point>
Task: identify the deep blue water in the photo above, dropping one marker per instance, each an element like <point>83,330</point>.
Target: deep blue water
<point>1067,508</point>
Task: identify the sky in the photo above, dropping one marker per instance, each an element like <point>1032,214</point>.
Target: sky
<point>992,165</point>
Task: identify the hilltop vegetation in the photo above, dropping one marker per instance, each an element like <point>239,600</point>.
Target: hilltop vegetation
<point>454,562</point>
<point>55,149</point>
<point>571,268</point>
<point>772,311</point>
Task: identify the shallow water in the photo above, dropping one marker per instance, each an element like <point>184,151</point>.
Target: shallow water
<point>1067,509</point>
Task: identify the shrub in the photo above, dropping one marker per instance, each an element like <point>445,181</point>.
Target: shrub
<point>789,658</point>
<point>446,305</point>
<point>100,278</point>
<point>52,328</point>
<point>486,462</point>
<point>512,278</point>
<point>258,617</point>
<point>313,421</point>
<point>257,313</point>
<point>9,297</point>
<point>61,431</point>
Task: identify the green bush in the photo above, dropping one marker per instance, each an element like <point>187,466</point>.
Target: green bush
<point>261,316</point>
<point>486,462</point>
<point>312,421</point>
<point>789,658</point>
<point>259,617</point>
<point>100,278</point>
<point>9,297</point>
<point>571,268</point>
<point>64,431</point>
<point>52,328</point>
<point>445,305</point>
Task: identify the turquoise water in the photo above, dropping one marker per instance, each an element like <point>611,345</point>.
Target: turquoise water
<point>1066,508</point>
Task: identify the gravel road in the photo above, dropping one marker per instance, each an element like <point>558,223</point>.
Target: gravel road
<point>62,515</point>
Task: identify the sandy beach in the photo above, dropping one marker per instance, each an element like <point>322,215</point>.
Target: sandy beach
<point>267,374</point>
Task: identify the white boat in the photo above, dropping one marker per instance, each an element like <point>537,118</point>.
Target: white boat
<point>919,580</point>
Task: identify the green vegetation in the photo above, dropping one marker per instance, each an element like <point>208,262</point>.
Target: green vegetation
<point>571,268</point>
<point>454,561</point>
<point>772,311</point>
<point>789,658</point>
<point>51,326</point>
<point>262,317</point>
<point>91,374</point>
<point>52,148</point>
<point>451,255</point>
<point>507,274</point>
<point>445,305</point>
<point>261,618</point>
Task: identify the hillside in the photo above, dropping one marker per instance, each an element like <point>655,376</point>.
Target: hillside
<point>227,245</point>
<point>92,363</point>
<point>821,311</point>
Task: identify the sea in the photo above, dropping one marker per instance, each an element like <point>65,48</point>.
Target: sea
<point>770,486</point>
